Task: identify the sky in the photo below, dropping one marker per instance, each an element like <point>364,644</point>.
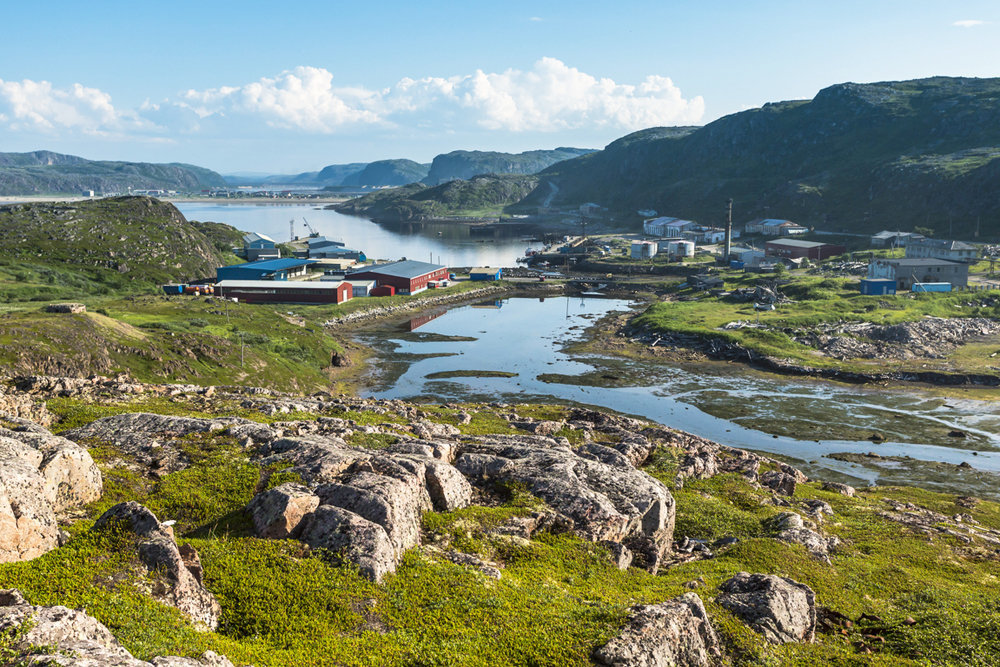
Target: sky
<point>291,87</point>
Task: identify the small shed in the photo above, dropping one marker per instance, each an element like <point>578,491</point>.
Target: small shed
<point>704,281</point>
<point>485,273</point>
<point>876,287</point>
<point>362,287</point>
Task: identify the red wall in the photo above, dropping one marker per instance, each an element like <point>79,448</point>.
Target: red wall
<point>251,295</point>
<point>402,284</point>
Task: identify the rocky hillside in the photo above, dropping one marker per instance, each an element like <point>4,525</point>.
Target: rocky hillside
<point>856,157</point>
<point>387,173</point>
<point>465,164</point>
<point>480,195</point>
<point>222,526</point>
<point>140,238</point>
<point>48,173</point>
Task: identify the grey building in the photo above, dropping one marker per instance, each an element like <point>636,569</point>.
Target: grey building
<point>888,239</point>
<point>954,251</point>
<point>905,272</point>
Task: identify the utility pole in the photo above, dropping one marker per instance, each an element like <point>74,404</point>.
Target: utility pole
<point>729,232</point>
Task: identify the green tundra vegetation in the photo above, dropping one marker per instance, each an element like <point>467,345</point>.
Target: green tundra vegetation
<point>930,598</point>
<point>815,300</point>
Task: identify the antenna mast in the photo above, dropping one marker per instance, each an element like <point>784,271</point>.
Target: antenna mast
<point>729,232</point>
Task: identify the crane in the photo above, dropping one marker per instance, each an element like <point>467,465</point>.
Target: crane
<point>312,230</point>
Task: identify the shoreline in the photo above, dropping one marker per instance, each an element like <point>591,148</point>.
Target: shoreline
<point>69,199</point>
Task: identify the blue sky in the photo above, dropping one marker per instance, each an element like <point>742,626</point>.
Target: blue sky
<point>253,86</point>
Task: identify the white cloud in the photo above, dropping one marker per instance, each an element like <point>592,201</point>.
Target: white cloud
<point>536,18</point>
<point>38,105</point>
<point>968,23</point>
<point>549,97</point>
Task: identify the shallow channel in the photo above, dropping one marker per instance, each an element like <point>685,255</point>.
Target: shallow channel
<point>513,350</point>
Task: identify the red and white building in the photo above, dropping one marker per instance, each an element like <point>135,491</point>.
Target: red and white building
<point>408,276</point>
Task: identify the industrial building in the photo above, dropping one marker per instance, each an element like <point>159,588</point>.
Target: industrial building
<point>407,276</point>
<point>265,269</point>
<point>774,227</point>
<point>361,288</point>
<point>643,250</point>
<point>485,273</point>
<point>905,272</point>
<point>887,239</point>
<point>320,247</point>
<point>258,246</point>
<point>797,249</point>
<point>953,251</point>
<point>270,291</point>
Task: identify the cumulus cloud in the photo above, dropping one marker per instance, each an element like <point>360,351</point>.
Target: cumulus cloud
<point>968,23</point>
<point>549,97</point>
<point>38,105</point>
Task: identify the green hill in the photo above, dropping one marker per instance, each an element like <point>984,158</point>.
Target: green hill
<point>466,164</point>
<point>45,172</point>
<point>64,250</point>
<point>856,157</point>
<point>480,195</point>
<point>387,173</point>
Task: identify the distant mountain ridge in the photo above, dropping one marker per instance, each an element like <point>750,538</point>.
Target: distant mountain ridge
<point>45,172</point>
<point>445,167</point>
<point>855,158</point>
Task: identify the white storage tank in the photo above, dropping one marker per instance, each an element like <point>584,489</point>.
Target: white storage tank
<point>681,248</point>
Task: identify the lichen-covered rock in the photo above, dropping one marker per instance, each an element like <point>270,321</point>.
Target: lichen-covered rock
<point>448,489</point>
<point>781,609</point>
<point>40,475</point>
<point>604,502</point>
<point>837,487</point>
<point>348,537</point>
<point>74,638</point>
<point>779,482</point>
<point>277,513</point>
<point>675,632</point>
<point>174,582</point>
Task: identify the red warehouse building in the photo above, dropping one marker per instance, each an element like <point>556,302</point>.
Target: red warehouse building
<point>408,276</point>
<point>284,291</point>
<point>794,248</point>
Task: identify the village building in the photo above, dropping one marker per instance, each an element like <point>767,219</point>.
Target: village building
<point>774,227</point>
<point>361,288</point>
<point>953,251</point>
<point>887,239</point>
<point>799,249</point>
<point>667,226</point>
<point>258,246</point>
<point>271,291</point>
<point>407,276</point>
<point>485,273</point>
<point>265,269</point>
<point>905,272</point>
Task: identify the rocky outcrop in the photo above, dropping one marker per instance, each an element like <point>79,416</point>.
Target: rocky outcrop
<point>350,538</point>
<point>792,528</point>
<point>70,638</point>
<point>176,576</point>
<point>675,632</point>
<point>41,475</point>
<point>277,514</point>
<point>150,442</point>
<point>780,609</point>
<point>604,500</point>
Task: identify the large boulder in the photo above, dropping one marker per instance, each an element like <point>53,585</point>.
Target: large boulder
<point>606,500</point>
<point>177,576</point>
<point>675,632</point>
<point>277,514</point>
<point>41,475</point>
<point>781,609</point>
<point>348,537</point>
<point>73,639</point>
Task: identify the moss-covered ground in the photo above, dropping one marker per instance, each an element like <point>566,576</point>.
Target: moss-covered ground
<point>816,301</point>
<point>559,597</point>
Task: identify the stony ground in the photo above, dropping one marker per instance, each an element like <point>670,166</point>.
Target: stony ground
<point>246,526</point>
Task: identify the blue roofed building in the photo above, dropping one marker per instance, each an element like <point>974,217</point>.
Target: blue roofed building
<point>266,269</point>
<point>258,246</point>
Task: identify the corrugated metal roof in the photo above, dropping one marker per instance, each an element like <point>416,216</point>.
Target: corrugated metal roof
<point>484,269</point>
<point>273,264</point>
<point>796,243</point>
<point>921,261</point>
<point>278,284</point>
<point>250,237</point>
<point>409,268</point>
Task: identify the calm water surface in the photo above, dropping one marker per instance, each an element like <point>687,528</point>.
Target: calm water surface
<point>446,244</point>
<point>726,403</point>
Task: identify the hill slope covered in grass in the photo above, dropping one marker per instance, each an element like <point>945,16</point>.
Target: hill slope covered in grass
<point>855,158</point>
<point>465,164</point>
<point>45,173</point>
<point>119,244</point>
<point>479,195</point>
